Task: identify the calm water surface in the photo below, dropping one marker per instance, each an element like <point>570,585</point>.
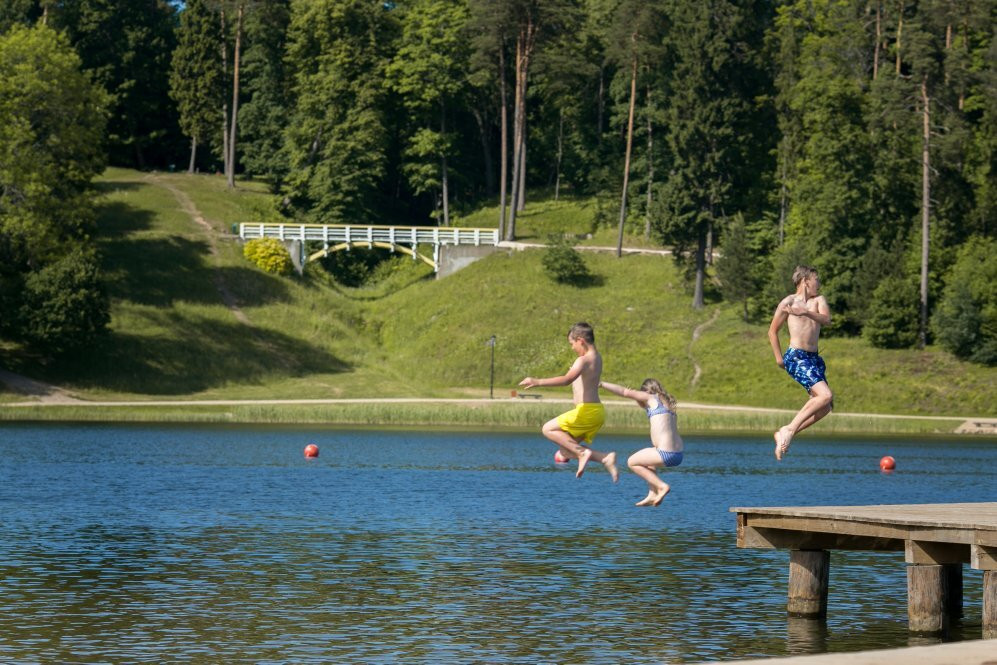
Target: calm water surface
<point>154,544</point>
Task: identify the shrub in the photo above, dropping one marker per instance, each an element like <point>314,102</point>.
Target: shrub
<point>64,306</point>
<point>965,321</point>
<point>893,314</point>
<point>269,255</point>
<point>564,264</point>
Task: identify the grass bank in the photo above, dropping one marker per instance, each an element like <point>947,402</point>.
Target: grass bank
<point>192,319</point>
<point>478,415</point>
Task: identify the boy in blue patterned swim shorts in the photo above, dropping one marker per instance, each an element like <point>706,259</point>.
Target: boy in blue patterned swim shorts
<point>803,312</point>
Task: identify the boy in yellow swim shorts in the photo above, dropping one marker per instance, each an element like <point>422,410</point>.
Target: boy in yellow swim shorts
<point>586,419</point>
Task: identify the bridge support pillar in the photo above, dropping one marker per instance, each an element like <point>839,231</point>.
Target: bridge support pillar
<point>451,258</point>
<point>296,249</point>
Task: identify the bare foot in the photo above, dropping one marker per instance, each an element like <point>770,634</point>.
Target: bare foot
<point>660,495</point>
<point>609,461</point>
<point>583,459</point>
<point>646,501</point>
<point>782,440</point>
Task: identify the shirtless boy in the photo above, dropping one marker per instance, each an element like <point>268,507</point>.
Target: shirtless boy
<point>586,419</point>
<point>804,312</point>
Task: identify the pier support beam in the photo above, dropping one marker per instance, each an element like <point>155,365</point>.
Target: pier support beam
<point>808,578</point>
<point>989,604</point>
<point>926,599</point>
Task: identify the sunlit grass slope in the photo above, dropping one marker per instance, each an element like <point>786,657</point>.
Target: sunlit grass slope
<point>644,324</point>
<point>175,334</point>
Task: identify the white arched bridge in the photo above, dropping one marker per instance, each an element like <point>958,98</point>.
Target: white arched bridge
<point>459,243</point>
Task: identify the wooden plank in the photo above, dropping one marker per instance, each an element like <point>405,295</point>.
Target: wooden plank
<point>982,516</point>
<point>990,604</point>
<point>763,538</point>
<point>922,551</point>
<point>856,528</point>
<point>968,652</point>
<point>982,557</point>
<point>826,525</point>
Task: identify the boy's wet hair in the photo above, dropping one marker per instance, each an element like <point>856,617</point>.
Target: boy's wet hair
<point>803,272</point>
<point>582,331</point>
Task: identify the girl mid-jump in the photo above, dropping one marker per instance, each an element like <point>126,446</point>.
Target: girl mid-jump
<point>665,439</point>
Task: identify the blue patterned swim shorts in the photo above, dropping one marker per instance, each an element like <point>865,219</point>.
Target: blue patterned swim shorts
<point>805,366</point>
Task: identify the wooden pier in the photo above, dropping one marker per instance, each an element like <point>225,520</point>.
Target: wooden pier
<point>936,539</point>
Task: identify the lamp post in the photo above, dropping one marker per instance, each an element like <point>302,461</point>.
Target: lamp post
<point>491,382</point>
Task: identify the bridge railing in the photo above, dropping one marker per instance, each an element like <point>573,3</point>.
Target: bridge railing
<point>348,233</point>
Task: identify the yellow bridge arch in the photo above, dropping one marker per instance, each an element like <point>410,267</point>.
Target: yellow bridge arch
<point>314,256</point>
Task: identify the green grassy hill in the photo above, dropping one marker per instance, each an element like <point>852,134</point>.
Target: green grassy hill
<point>192,318</point>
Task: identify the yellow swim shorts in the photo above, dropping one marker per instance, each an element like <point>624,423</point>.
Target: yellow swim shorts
<point>583,421</point>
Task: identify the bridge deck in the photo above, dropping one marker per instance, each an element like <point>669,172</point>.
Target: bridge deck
<point>362,233</point>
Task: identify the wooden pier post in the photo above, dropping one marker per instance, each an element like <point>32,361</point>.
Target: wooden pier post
<point>926,599</point>
<point>989,604</point>
<point>808,578</point>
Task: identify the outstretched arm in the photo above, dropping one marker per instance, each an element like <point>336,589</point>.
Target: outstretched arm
<point>629,393</point>
<point>564,380</point>
<point>778,318</point>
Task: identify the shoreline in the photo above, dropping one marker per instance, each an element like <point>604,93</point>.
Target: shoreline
<point>477,413</point>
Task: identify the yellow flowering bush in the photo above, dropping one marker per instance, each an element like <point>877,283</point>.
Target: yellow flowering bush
<point>269,254</point>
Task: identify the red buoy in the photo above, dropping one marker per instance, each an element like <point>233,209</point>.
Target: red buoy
<point>311,450</point>
<point>887,463</point>
<point>559,458</point>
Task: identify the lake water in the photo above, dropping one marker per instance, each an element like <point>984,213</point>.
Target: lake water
<point>211,544</point>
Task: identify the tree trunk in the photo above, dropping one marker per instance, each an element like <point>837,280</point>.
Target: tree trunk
<point>783,205</point>
<point>510,229</point>
<point>709,244</point>
<point>521,197</point>
<point>879,36</point>
<point>235,98</point>
<point>697,294</point>
<point>560,152</point>
<point>193,154</point>
<point>225,153</point>
<point>900,29</point>
<point>626,159</point>
<point>599,107</point>
<point>650,170</point>
<point>925,210</point>
<point>486,149</point>
<point>443,180</point>
<point>965,45</point>
<point>504,159</point>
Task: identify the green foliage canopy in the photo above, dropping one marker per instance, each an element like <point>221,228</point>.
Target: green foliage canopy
<point>52,120</point>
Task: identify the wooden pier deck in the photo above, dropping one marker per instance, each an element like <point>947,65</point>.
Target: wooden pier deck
<point>975,652</point>
<point>936,539</point>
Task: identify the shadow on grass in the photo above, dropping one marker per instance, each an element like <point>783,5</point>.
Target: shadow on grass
<point>163,270</point>
<point>115,218</point>
<point>112,186</point>
<point>190,354</point>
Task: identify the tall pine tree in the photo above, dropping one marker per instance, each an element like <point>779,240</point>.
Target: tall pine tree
<point>196,75</point>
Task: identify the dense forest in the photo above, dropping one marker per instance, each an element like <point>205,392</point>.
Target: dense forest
<point>859,136</point>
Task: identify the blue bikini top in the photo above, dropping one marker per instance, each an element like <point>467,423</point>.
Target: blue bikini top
<point>657,410</point>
